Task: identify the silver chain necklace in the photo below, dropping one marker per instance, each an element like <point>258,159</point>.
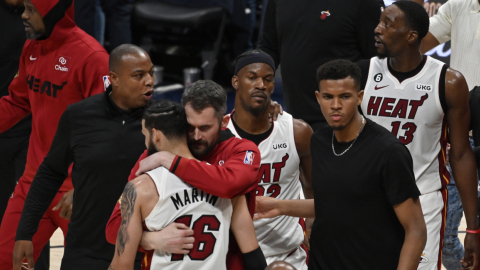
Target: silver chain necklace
<point>333,136</point>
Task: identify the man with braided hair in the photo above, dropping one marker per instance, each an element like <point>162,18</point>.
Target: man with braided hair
<point>150,199</point>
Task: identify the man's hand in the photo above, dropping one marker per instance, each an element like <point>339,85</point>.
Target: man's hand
<point>275,109</point>
<point>23,249</point>
<point>266,207</point>
<point>472,252</point>
<point>175,238</point>
<point>308,231</point>
<point>154,161</point>
<point>66,204</point>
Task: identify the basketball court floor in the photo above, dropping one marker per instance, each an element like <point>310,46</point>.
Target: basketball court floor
<point>56,242</point>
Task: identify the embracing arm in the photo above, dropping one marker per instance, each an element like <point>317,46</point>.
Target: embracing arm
<point>232,178</point>
<point>130,231</point>
<point>244,232</point>
<point>410,215</point>
<point>461,157</point>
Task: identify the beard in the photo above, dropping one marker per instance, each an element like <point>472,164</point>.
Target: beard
<point>385,53</point>
<point>206,147</point>
<point>255,111</point>
<point>151,149</point>
<point>35,34</point>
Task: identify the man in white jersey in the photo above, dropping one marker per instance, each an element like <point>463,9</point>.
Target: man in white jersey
<point>285,155</point>
<point>149,199</point>
<point>419,99</point>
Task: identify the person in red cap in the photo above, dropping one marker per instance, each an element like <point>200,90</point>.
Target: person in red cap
<point>60,65</point>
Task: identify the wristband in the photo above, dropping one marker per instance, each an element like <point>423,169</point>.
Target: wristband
<point>477,231</point>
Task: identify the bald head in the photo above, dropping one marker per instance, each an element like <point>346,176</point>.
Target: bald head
<point>122,51</point>
<point>280,265</point>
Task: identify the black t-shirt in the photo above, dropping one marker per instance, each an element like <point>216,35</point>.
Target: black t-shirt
<point>12,38</point>
<point>355,226</point>
<point>302,35</point>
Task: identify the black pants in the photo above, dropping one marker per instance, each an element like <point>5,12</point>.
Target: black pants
<point>75,260</point>
<point>117,19</point>
<point>13,158</point>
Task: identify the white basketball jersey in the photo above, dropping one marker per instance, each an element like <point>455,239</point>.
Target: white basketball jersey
<point>412,111</point>
<point>207,215</point>
<point>278,177</point>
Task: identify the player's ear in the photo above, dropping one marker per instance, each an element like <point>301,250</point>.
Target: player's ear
<point>113,78</point>
<point>360,97</point>
<point>235,82</point>
<point>317,95</point>
<point>155,135</point>
<point>412,36</point>
<point>225,121</point>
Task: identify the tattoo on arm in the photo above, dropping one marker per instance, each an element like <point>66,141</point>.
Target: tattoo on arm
<point>127,206</point>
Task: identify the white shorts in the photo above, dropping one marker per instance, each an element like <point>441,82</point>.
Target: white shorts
<point>297,258</point>
<point>434,211</point>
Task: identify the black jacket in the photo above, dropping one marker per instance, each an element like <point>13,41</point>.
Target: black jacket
<point>12,38</point>
<point>302,35</point>
<point>103,142</point>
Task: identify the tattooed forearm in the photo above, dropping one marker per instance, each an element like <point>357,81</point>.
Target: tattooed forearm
<point>127,206</point>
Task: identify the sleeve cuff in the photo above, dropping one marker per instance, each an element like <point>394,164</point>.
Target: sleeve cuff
<point>179,166</point>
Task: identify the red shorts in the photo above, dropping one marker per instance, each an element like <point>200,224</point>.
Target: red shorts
<point>8,229</point>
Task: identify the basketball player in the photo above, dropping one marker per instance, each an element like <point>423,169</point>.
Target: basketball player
<point>285,154</point>
<point>230,164</point>
<point>419,99</point>
<point>149,199</point>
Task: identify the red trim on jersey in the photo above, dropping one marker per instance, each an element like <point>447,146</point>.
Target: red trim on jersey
<point>442,228</point>
<point>442,156</point>
<point>302,246</point>
<point>301,221</point>
<point>445,179</point>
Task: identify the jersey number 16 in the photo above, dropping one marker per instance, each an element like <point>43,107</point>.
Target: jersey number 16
<point>204,241</point>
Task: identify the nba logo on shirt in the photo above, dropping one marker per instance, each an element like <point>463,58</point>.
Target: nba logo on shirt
<point>249,157</point>
<point>106,82</point>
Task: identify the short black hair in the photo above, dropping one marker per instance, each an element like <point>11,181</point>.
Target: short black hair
<point>339,69</point>
<point>168,117</point>
<point>416,17</point>
<point>119,52</point>
<point>206,93</point>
